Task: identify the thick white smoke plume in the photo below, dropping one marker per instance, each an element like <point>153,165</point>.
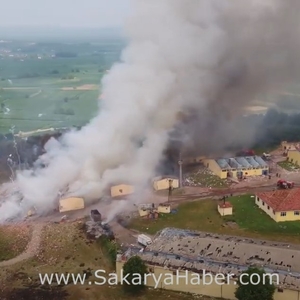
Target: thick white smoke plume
<point>183,56</point>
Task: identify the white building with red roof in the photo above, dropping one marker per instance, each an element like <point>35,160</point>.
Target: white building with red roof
<point>280,205</point>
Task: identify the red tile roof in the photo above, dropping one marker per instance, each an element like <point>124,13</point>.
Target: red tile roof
<point>282,200</point>
<point>225,205</point>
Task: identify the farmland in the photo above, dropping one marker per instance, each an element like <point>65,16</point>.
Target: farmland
<point>45,85</point>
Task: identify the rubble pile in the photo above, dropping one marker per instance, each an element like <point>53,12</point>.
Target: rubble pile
<point>203,178</point>
<point>97,229</point>
<point>94,229</point>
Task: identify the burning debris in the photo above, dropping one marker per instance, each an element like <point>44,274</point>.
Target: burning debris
<point>97,227</point>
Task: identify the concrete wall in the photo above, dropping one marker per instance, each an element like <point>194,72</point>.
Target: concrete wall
<point>288,146</point>
<point>70,204</point>
<point>143,212</point>
<point>164,184</point>
<point>276,216</point>
<point>227,211</point>
<point>290,216</point>
<point>121,190</point>
<point>164,209</point>
<point>265,208</point>
<point>212,165</point>
<point>225,291</point>
<point>253,172</point>
<point>293,156</point>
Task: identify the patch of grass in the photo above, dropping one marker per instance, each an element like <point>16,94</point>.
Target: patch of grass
<point>203,216</point>
<point>13,240</point>
<point>288,165</point>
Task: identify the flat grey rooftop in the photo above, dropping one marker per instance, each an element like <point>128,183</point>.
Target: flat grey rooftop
<point>196,251</point>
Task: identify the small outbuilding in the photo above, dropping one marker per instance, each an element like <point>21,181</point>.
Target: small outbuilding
<point>145,209</point>
<point>165,182</point>
<point>164,208</point>
<point>225,208</point>
<point>121,190</point>
<point>70,204</point>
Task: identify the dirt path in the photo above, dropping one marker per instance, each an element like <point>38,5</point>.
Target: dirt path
<point>31,248</point>
<point>35,94</point>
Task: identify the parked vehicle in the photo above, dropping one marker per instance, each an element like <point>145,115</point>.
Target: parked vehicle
<point>266,156</point>
<point>283,184</point>
<point>95,215</point>
<point>144,240</point>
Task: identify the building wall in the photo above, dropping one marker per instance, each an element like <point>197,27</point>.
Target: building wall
<point>253,172</point>
<point>164,209</point>
<point>294,157</point>
<point>268,210</point>
<point>276,216</point>
<point>163,184</point>
<point>225,291</point>
<point>121,190</point>
<point>143,212</point>
<point>290,216</point>
<point>70,204</point>
<point>227,211</point>
<point>288,146</point>
<point>212,165</point>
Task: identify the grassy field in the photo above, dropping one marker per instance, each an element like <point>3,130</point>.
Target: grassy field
<point>48,104</point>
<point>66,249</point>
<point>46,91</point>
<point>13,240</point>
<point>288,165</point>
<point>248,220</point>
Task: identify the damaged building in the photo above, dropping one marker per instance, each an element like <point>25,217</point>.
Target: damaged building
<point>237,167</point>
<point>121,190</point>
<point>175,250</point>
<point>165,182</point>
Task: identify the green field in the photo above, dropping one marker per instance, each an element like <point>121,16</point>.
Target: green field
<point>38,92</point>
<point>248,220</point>
<point>288,165</point>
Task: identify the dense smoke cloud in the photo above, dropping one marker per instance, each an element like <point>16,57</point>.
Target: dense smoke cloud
<point>203,58</point>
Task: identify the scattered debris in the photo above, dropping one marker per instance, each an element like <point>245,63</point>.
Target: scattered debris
<point>96,229</point>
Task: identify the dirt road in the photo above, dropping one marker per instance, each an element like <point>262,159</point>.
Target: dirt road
<point>31,249</point>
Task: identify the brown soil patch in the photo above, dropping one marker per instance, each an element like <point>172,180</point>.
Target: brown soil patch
<point>13,240</point>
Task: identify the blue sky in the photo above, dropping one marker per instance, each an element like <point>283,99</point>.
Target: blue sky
<point>66,13</point>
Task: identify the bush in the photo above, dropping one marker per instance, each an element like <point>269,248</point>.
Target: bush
<point>263,290</point>
<point>135,265</point>
<point>110,247</point>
